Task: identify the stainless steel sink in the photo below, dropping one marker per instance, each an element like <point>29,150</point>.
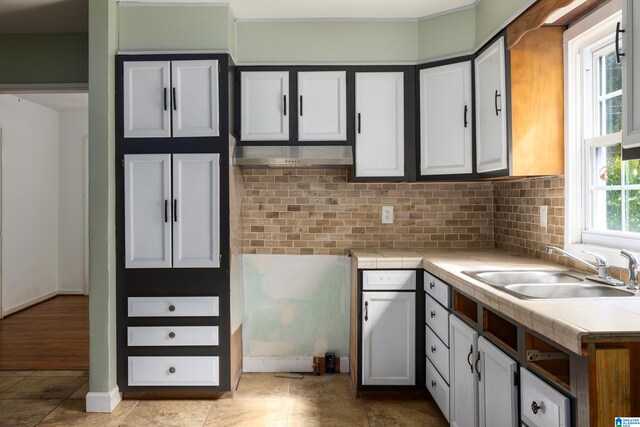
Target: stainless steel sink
<point>546,284</point>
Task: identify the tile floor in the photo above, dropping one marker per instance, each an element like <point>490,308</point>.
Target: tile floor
<point>56,398</point>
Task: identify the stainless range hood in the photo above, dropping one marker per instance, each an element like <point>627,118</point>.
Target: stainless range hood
<point>293,156</point>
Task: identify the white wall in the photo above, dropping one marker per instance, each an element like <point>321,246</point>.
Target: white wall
<point>29,202</point>
<point>73,128</point>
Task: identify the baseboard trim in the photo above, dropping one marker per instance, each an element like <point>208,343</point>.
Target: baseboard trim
<point>70,292</point>
<point>29,303</point>
<point>104,402</point>
<point>285,364</point>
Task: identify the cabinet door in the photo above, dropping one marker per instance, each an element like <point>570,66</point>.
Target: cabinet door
<point>196,215</point>
<point>498,393</point>
<point>146,99</point>
<point>195,98</point>
<point>631,74</point>
<point>264,109</point>
<point>379,125</point>
<point>445,120</point>
<point>388,338</point>
<point>147,210</point>
<point>322,106</point>
<point>462,374</point>
<point>491,117</point>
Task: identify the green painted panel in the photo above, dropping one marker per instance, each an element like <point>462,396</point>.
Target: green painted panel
<point>327,41</point>
<point>44,58</point>
<point>491,15</point>
<point>173,27</point>
<point>231,28</point>
<point>447,35</point>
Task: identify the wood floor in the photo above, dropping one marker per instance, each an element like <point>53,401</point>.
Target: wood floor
<point>52,335</point>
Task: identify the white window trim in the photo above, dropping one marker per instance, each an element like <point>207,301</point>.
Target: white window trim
<point>581,35</point>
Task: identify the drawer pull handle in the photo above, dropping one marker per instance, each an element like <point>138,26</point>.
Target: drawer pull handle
<point>433,349</point>
<point>172,370</point>
<point>432,285</point>
<point>468,356</point>
<point>433,384</point>
<point>477,369</point>
<point>172,307</point>
<point>433,314</point>
<point>172,334</point>
<point>366,311</point>
<point>535,407</point>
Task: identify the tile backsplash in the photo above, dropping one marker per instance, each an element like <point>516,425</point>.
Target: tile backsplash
<point>316,211</point>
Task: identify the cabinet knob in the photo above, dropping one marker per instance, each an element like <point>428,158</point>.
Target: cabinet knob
<point>433,349</point>
<point>433,314</point>
<point>172,370</point>
<point>172,307</point>
<point>432,285</point>
<point>535,407</point>
<point>433,384</point>
<point>172,334</point>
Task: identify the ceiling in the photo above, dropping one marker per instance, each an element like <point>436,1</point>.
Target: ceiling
<point>58,101</point>
<point>71,16</point>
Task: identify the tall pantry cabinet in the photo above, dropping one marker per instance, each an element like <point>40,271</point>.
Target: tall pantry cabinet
<point>172,224</point>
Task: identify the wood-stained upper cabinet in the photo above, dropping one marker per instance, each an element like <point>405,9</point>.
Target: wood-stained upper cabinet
<point>264,106</point>
<point>446,142</point>
<point>171,98</point>
<point>491,117</point>
<point>322,106</point>
<point>379,148</point>
<point>630,73</point>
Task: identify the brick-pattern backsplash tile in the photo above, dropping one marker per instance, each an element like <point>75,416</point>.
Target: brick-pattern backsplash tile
<point>316,211</point>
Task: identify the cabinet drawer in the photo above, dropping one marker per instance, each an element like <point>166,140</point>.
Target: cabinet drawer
<point>438,354</point>
<point>542,405</point>
<point>174,371</point>
<point>394,280</point>
<point>173,306</point>
<point>438,389</point>
<point>437,317</point>
<point>436,288</point>
<point>172,335</point>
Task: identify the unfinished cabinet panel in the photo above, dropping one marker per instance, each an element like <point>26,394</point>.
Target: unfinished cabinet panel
<point>322,106</point>
<point>147,86</point>
<point>195,98</point>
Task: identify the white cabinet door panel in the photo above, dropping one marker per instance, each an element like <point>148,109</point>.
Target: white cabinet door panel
<point>173,306</point>
<point>498,395</point>
<point>146,99</point>
<point>147,193</point>
<point>174,371</point>
<point>195,107</point>
<point>438,388</point>
<point>491,114</point>
<point>152,336</point>
<point>196,221</point>
<point>322,106</point>
<point>540,404</point>
<point>264,109</point>
<point>388,338</point>
<point>631,74</point>
<point>462,376</point>
<point>445,120</point>
<point>379,125</point>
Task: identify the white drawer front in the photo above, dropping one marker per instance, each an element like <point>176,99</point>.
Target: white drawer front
<point>437,317</point>
<point>438,289</point>
<point>438,389</point>
<point>438,354</point>
<point>174,371</point>
<point>172,335</point>
<point>553,406</point>
<point>389,280</point>
<point>173,306</point>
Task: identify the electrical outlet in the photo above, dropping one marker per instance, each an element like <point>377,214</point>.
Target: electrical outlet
<point>543,216</point>
<point>387,214</point>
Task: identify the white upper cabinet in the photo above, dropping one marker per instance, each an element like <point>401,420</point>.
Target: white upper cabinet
<point>196,222</point>
<point>147,89</point>
<point>161,95</point>
<point>195,98</point>
<point>491,112</point>
<point>388,338</point>
<point>498,393</point>
<point>379,148</point>
<point>462,375</point>
<point>629,45</point>
<point>322,106</point>
<point>446,120</point>
<point>264,106</point>
<point>147,196</point>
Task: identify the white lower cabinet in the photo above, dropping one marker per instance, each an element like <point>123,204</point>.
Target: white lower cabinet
<point>388,338</point>
<point>498,394</point>
<point>540,404</point>
<point>438,388</point>
<point>147,336</point>
<point>463,342</point>
<point>174,371</point>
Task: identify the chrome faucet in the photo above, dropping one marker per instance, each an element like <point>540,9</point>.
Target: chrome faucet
<point>602,266</point>
<point>633,269</point>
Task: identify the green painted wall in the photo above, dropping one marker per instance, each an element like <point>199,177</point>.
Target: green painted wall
<point>173,27</point>
<point>492,14</point>
<point>327,41</point>
<point>447,35</point>
<point>102,283</point>
<point>44,58</point>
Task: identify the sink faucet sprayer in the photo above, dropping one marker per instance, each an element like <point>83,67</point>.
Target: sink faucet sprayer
<point>602,266</point>
<point>633,269</point>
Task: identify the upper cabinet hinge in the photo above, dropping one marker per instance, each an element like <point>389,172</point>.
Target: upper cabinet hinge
<point>122,162</point>
<point>220,258</point>
<point>219,69</point>
<point>516,379</point>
